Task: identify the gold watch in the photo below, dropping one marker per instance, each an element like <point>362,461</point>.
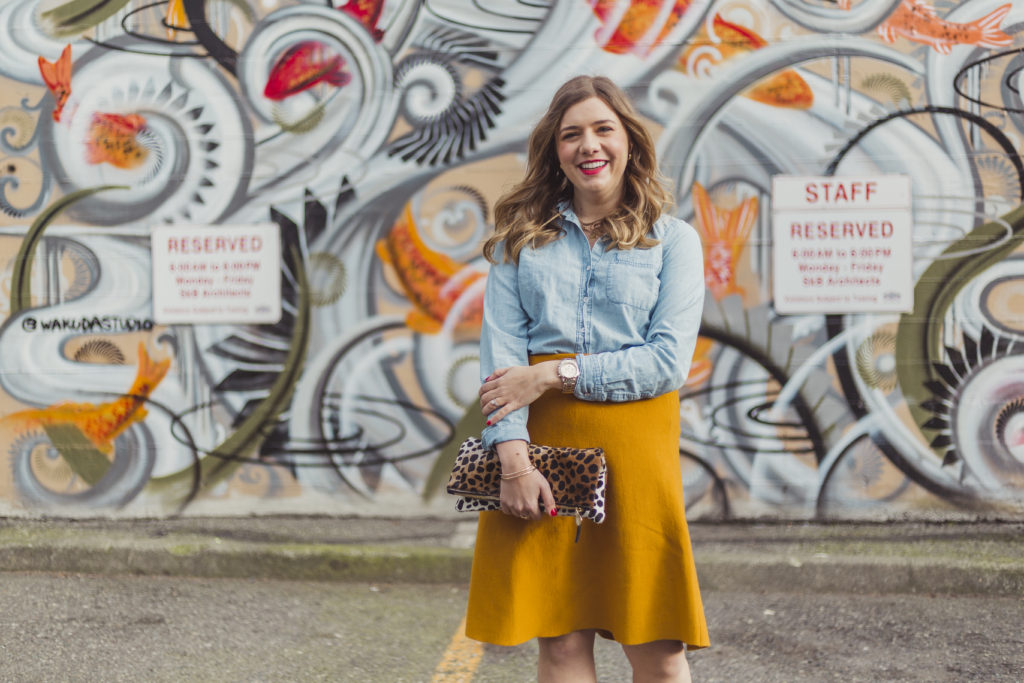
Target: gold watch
<point>568,372</point>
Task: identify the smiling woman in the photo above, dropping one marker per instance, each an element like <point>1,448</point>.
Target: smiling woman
<point>590,320</point>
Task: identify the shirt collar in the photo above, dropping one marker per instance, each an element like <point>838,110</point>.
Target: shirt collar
<point>564,207</point>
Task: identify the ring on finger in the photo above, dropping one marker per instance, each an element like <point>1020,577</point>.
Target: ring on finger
<point>493,403</point>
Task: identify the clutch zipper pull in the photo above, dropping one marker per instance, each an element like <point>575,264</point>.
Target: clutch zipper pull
<point>579,525</point>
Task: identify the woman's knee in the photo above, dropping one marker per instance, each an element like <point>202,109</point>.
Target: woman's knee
<point>662,660</point>
<point>569,647</point>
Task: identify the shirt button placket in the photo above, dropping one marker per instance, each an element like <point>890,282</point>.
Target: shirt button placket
<point>581,334</point>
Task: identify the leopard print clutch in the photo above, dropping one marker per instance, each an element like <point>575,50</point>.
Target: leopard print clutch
<point>577,477</point>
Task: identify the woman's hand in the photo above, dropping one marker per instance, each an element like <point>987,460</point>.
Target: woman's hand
<point>509,389</point>
<point>521,496</point>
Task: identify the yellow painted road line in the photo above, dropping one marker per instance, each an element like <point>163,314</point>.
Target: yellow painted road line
<point>460,660</point>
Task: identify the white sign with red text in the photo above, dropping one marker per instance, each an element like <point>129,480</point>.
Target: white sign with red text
<point>842,244</point>
<point>216,273</point>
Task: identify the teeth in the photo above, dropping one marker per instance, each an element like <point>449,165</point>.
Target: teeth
<point>592,164</point>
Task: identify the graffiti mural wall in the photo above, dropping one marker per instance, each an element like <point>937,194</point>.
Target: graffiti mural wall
<point>377,135</point>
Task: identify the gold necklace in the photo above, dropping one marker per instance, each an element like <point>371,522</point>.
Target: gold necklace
<point>590,229</point>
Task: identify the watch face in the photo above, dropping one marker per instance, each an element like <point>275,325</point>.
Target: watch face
<point>569,369</point>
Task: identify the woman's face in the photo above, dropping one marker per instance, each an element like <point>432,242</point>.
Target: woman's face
<point>593,148</point>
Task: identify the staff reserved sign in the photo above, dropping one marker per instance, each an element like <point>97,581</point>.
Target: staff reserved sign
<point>842,244</point>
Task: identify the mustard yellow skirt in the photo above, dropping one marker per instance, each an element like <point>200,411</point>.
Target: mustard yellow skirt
<point>632,577</point>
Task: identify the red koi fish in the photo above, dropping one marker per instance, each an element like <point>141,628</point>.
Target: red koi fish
<point>783,89</point>
<point>303,66</point>
<point>57,76</point>
<point>432,281</point>
<point>113,139</point>
<point>367,13</point>
<point>724,233</point>
<point>635,23</point>
<point>917,21</point>
<point>103,423</point>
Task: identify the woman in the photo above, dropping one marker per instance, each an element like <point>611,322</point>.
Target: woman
<point>591,313</point>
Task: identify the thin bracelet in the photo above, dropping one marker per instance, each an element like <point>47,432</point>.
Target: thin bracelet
<point>521,473</point>
<point>517,473</point>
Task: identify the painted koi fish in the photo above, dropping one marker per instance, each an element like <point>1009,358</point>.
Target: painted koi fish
<point>724,233</point>
<point>175,19</point>
<point>303,66</point>
<point>103,423</point>
<point>367,13</point>
<point>432,281</point>
<point>783,89</point>
<point>113,139</point>
<point>57,76</point>
<point>634,23</point>
<point>701,365</point>
<point>917,21</point>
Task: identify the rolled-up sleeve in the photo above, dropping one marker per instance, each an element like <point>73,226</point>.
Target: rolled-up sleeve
<point>503,343</point>
<point>662,363</point>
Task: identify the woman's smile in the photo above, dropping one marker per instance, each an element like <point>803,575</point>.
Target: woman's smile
<point>593,167</point>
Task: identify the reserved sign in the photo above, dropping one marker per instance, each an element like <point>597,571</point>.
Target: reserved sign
<point>216,273</point>
<point>842,245</point>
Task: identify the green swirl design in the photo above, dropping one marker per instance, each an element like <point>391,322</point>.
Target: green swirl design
<point>21,278</point>
<point>919,334</point>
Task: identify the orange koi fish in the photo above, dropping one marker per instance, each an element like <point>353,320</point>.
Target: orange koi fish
<point>103,423</point>
<point>917,21</point>
<point>175,19</point>
<point>432,281</point>
<point>57,76</point>
<point>367,13</point>
<point>784,89</point>
<point>724,233</point>
<point>701,365</point>
<point>303,66</point>
<point>113,139</point>
<point>635,23</point>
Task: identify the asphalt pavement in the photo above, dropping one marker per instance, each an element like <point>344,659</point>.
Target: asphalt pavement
<point>958,558</point>
<point>78,628</point>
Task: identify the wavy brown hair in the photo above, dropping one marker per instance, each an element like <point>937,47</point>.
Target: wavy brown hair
<point>527,215</point>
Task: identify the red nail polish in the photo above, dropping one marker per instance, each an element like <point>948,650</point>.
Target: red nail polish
<point>488,423</point>
<point>554,512</point>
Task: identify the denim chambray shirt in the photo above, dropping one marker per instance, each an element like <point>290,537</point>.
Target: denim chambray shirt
<point>630,316</point>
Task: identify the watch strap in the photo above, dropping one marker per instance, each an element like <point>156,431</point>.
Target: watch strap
<point>568,379</point>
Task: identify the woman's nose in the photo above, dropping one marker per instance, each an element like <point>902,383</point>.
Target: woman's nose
<point>588,142</point>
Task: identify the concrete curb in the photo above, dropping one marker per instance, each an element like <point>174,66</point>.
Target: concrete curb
<point>214,558</point>
<point>183,554</point>
<point>888,575</point>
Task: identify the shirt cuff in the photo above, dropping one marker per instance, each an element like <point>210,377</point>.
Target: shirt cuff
<point>589,382</point>
<point>511,427</point>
